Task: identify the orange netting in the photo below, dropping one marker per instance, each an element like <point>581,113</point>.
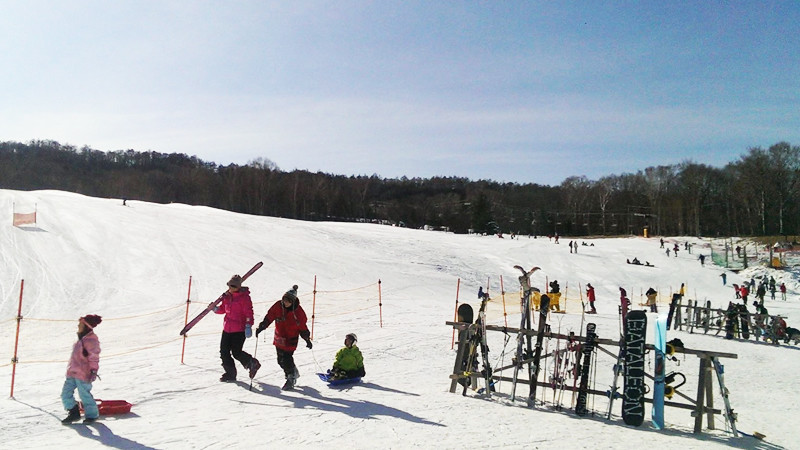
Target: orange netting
<point>22,219</point>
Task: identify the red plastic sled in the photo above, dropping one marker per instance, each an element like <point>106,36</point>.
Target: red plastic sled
<point>111,407</point>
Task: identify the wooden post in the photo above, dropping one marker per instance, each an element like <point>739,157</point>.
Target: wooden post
<point>709,393</point>
<point>462,348</point>
<point>701,387</point>
<point>455,314</point>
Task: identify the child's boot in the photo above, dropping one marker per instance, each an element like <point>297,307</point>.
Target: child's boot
<point>74,414</point>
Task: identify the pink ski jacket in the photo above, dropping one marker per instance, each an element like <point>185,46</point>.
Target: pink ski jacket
<point>85,357</point>
<point>238,310</point>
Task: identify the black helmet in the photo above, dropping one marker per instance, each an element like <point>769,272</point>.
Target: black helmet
<point>352,336</point>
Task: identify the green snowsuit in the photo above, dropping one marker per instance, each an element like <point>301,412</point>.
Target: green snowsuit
<point>349,363</point>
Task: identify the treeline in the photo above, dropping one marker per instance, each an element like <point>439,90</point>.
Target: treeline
<point>756,195</point>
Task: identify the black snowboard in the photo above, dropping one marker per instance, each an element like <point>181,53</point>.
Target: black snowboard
<point>465,313</point>
<point>587,350</point>
<point>634,390</point>
<point>744,319</point>
<point>676,298</point>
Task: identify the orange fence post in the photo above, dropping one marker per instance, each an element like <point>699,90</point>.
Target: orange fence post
<point>380,302</point>
<point>503,295</point>
<point>16,340</point>
<point>455,315</point>
<point>186,319</point>
<point>313,306</point>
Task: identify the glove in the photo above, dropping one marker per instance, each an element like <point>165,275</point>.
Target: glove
<point>216,308</point>
<point>260,328</point>
<point>92,376</point>
<point>309,344</point>
<point>248,331</point>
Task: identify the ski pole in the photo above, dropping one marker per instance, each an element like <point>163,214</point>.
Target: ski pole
<point>255,351</point>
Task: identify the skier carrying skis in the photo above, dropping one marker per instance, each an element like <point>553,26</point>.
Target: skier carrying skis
<point>290,325</point>
<point>82,371</point>
<point>349,362</point>
<point>237,326</point>
<point>591,297</point>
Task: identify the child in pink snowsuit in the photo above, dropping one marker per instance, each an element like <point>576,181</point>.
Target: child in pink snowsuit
<point>82,371</point>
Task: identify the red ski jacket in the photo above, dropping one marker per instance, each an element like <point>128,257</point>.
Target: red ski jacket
<point>290,323</point>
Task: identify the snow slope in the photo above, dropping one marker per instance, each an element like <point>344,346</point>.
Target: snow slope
<point>132,265</point>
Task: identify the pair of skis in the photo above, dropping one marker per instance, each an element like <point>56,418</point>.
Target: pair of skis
<point>478,339</point>
<point>216,302</point>
<point>523,354</point>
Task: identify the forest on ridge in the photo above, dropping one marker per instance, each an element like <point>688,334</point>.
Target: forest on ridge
<point>756,195</point>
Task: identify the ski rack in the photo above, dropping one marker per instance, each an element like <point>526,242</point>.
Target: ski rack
<point>702,405</point>
<point>698,318</point>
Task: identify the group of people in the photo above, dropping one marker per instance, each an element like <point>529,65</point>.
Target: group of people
<point>290,326</point>
<point>636,262</point>
<point>745,289</point>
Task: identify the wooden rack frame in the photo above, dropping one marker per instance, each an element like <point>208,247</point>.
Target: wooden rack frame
<point>702,405</point>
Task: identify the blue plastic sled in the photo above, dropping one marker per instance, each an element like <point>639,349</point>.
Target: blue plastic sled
<point>326,378</point>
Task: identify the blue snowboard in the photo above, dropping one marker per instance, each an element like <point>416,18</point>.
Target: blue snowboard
<point>660,344</point>
<point>342,381</point>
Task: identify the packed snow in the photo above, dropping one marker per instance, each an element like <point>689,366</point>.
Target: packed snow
<point>132,264</point>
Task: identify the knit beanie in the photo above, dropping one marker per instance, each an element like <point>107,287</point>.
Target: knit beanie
<point>92,320</point>
<point>291,294</point>
<point>235,281</point>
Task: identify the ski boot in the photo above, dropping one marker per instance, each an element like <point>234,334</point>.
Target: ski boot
<point>254,366</point>
<point>74,415</point>
<point>89,420</point>
<point>290,382</point>
<point>229,375</point>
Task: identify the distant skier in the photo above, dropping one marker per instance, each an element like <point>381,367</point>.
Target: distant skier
<point>82,371</point>
<point>591,296</point>
<point>724,278</point>
<point>651,299</point>
<point>783,291</point>
<point>761,291</point>
<point>702,259</point>
<point>290,325</point>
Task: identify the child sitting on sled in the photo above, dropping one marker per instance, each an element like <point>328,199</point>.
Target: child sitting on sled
<point>349,362</point>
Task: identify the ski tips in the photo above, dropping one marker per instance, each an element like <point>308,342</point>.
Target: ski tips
<point>527,272</point>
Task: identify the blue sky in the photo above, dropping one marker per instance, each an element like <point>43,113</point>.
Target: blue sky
<point>503,90</point>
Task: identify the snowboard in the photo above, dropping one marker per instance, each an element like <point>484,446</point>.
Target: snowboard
<point>676,299</point>
<point>744,319</point>
<point>537,355</point>
<point>465,313</point>
<point>587,350</point>
<point>338,382</point>
<point>660,344</point>
<point>633,375</point>
<point>612,393</point>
